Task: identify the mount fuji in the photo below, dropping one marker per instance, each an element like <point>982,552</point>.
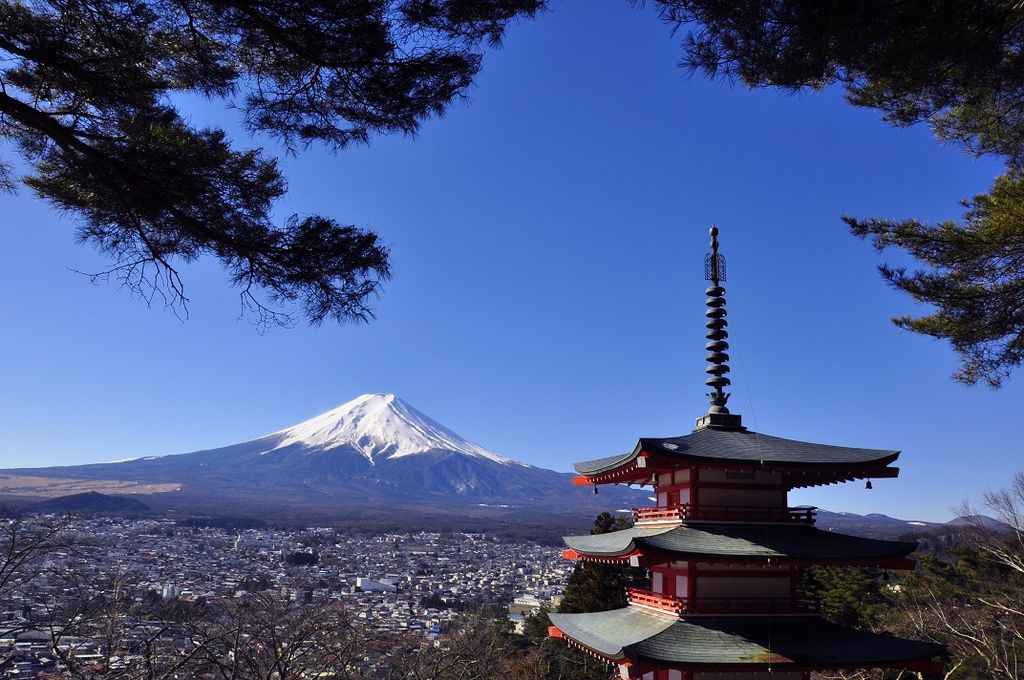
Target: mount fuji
<point>380,427</point>
<point>375,456</point>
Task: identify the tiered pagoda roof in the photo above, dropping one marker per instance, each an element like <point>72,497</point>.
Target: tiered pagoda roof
<point>802,463</point>
<point>738,544</point>
<point>727,551</point>
<point>737,642</point>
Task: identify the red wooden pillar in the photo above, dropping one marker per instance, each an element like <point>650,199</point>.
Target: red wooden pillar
<point>694,491</point>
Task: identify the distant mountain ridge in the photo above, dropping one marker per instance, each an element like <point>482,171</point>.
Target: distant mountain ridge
<point>374,454</point>
<point>89,502</point>
<point>873,525</point>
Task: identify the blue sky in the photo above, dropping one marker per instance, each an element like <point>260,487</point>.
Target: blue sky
<point>547,240</point>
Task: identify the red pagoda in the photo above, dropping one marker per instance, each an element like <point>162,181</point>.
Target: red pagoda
<point>725,552</point>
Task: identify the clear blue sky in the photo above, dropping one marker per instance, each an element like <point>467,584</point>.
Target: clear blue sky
<point>547,242</point>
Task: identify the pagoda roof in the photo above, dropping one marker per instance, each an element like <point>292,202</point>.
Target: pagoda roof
<point>714,445</point>
<point>713,542</point>
<point>730,642</point>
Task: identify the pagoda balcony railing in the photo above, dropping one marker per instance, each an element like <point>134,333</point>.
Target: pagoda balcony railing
<point>679,606</point>
<point>647,598</point>
<point>658,515</point>
<point>722,513</point>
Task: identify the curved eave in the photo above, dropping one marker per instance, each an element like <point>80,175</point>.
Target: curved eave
<point>608,633</point>
<point>737,544</point>
<point>658,457</point>
<point>736,450</point>
<point>738,643</point>
<point>614,544</point>
<point>606,464</point>
<point>646,558</point>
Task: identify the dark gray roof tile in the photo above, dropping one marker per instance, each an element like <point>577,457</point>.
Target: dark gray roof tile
<point>608,632</point>
<point>734,641</point>
<point>709,444</point>
<point>744,541</point>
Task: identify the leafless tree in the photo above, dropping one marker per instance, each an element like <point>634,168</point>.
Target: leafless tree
<point>263,637</point>
<point>23,544</point>
<point>974,606</point>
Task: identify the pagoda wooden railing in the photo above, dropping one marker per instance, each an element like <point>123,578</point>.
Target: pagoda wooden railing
<point>677,606</point>
<point>724,513</point>
<point>647,598</point>
<point>658,515</point>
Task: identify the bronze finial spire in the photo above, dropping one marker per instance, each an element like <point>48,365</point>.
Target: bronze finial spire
<point>718,415</point>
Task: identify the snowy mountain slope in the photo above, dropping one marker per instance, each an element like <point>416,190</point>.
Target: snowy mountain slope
<point>375,450</point>
<point>380,426</point>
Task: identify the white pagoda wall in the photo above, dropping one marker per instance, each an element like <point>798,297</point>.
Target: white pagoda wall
<point>747,498</point>
<point>743,586</point>
<point>756,477</point>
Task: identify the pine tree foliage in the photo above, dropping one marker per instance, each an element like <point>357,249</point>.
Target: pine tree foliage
<point>973,275</point>
<point>849,596</point>
<point>88,99</point>
<point>595,587</point>
<point>911,59</point>
<point>957,66</point>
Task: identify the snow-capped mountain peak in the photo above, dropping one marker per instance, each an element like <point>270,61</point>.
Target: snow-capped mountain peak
<point>381,426</point>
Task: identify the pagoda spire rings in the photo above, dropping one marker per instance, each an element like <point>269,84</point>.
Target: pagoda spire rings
<point>717,346</point>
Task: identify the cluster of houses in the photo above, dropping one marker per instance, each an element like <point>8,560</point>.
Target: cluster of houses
<point>396,583</point>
